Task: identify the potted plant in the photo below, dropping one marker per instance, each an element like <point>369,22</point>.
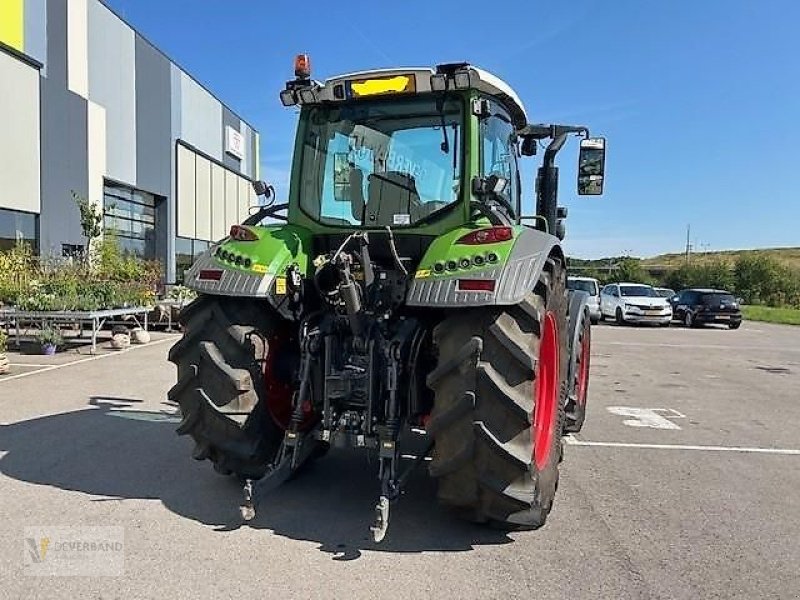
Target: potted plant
<point>49,339</point>
<point>5,367</point>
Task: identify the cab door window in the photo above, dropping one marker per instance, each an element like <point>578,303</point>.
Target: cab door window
<point>499,152</point>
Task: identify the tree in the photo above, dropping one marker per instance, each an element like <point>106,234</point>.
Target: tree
<point>630,269</point>
<point>91,221</point>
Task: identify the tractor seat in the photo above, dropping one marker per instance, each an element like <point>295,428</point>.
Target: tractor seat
<point>390,194</point>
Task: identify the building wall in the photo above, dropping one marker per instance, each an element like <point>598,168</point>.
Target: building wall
<point>113,108</point>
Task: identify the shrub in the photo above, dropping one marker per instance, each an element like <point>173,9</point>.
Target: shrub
<point>50,336</point>
<point>761,279</point>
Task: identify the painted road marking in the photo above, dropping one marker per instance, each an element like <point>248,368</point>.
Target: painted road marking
<point>647,417</point>
<point>705,346</point>
<point>573,441</point>
<point>82,360</point>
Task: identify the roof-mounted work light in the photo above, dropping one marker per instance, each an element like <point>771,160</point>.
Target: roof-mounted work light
<point>438,82</point>
<point>288,98</point>
<point>462,79</point>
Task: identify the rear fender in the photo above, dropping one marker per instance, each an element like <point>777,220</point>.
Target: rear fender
<point>519,265</point>
<point>268,257</point>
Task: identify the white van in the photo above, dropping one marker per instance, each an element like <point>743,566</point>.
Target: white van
<point>592,287</point>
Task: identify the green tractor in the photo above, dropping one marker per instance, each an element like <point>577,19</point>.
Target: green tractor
<point>399,292</point>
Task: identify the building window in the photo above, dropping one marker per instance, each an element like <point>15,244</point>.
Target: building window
<point>131,216</point>
<point>18,227</point>
<point>186,252</point>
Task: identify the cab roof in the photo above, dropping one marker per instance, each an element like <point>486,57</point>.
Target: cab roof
<point>478,78</point>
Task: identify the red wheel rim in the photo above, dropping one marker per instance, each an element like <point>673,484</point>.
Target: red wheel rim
<point>278,391</point>
<point>583,371</point>
<point>546,396</point>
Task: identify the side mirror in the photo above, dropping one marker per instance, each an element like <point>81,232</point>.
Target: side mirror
<point>591,167</point>
<point>262,188</point>
<point>528,146</point>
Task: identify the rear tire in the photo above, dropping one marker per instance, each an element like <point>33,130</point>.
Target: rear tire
<point>221,387</point>
<point>497,453</point>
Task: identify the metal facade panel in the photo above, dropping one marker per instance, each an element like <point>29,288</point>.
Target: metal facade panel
<point>153,120</point>
<point>247,198</point>
<point>219,226</point>
<point>203,199</point>
<point>112,84</point>
<point>231,198</point>
<point>19,132</point>
<point>78,47</point>
<point>64,164</point>
<point>57,42</point>
<point>12,24</point>
<point>186,226</point>
<point>36,31</point>
<point>201,118</point>
<point>96,151</point>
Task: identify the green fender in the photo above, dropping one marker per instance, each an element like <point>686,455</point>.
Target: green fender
<point>515,267</point>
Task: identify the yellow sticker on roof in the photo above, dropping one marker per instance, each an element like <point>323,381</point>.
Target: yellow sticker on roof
<point>383,85</point>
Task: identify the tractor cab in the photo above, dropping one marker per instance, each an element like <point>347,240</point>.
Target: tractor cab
<point>402,148</point>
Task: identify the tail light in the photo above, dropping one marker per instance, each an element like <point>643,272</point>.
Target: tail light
<point>476,285</point>
<point>488,235</point>
<point>242,234</point>
<point>210,275</point>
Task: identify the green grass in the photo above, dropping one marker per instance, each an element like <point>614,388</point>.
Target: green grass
<point>788,256</point>
<point>785,316</point>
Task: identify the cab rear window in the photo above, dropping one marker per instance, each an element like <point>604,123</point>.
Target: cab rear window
<point>718,299</point>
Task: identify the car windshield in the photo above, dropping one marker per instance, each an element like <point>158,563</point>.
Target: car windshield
<point>380,163</point>
<point>664,293</point>
<point>583,285</point>
<point>718,299</point>
<point>637,290</point>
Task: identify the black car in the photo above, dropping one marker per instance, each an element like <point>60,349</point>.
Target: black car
<point>696,307</point>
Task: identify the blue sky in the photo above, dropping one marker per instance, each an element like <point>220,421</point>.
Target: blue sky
<point>699,100</point>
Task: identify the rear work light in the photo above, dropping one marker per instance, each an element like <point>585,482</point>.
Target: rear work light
<point>489,235</point>
<point>475,285</point>
<point>210,274</point>
<point>242,234</point>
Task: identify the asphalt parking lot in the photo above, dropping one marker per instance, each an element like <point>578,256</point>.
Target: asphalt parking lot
<point>684,483</point>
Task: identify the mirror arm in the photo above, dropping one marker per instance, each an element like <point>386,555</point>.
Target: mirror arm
<point>266,211</point>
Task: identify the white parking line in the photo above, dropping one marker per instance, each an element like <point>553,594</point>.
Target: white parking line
<point>573,441</point>
<point>49,368</point>
<point>706,346</point>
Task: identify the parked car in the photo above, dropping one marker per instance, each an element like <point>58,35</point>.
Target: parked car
<point>592,287</point>
<point>634,303</point>
<point>664,292</point>
<point>695,307</point>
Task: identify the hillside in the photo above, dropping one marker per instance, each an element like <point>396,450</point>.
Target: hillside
<point>789,256</point>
